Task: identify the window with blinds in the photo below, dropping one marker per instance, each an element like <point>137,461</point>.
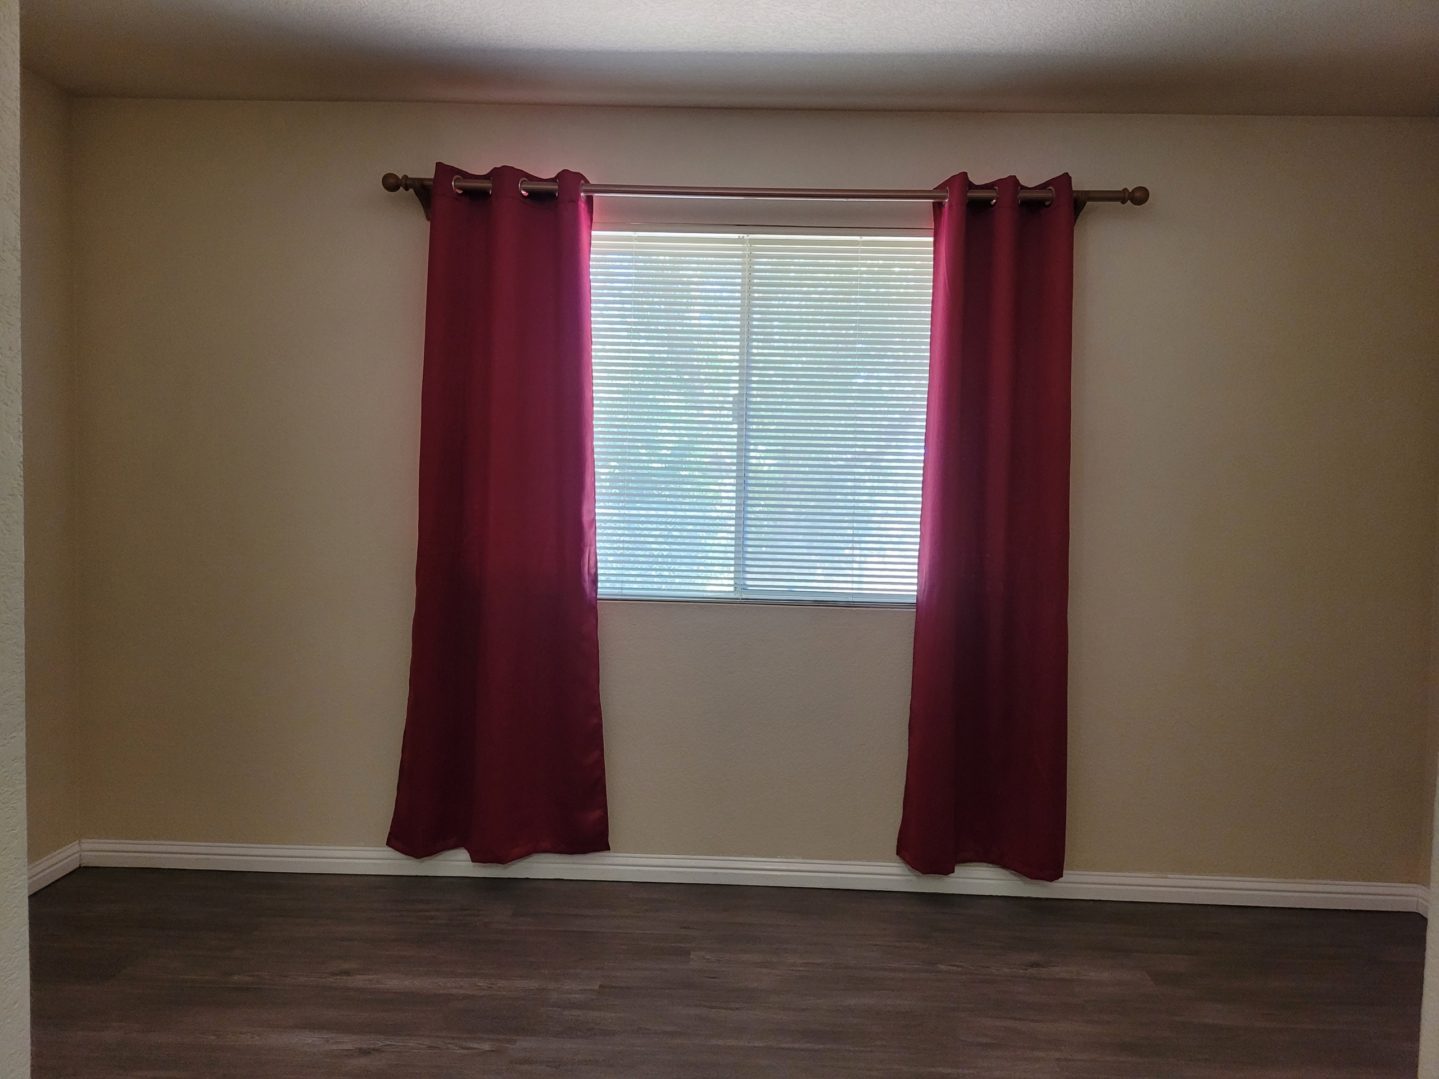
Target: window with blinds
<point>759,414</point>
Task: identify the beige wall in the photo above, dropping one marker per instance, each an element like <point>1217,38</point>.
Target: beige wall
<point>1256,451</point>
<point>49,404</point>
<point>14,945</point>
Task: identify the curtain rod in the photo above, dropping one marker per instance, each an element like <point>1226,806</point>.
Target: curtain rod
<point>421,185</point>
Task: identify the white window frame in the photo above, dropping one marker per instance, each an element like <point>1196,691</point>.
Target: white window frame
<point>847,600</point>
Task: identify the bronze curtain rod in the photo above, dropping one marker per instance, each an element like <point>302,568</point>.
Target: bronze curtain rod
<point>421,185</point>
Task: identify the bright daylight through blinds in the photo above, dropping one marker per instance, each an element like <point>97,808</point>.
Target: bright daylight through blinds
<point>759,414</point>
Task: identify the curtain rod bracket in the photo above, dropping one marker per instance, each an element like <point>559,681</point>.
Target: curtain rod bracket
<point>421,188</point>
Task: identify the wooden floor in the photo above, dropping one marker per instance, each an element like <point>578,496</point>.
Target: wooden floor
<point>143,973</point>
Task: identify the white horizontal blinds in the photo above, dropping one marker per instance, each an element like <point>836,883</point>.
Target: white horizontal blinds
<point>818,346</point>
<point>838,366</point>
<point>665,312</point>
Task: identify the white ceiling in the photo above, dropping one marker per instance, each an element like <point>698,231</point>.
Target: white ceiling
<point>1356,57</point>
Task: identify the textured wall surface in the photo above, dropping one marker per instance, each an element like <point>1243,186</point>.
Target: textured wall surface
<point>1429,1020</point>
<point>1316,58</point>
<point>1429,1027</point>
<point>14,947</point>
<point>49,405</point>
<point>1256,451</point>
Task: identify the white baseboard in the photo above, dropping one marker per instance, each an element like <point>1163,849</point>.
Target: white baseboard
<point>780,872</point>
<point>53,866</point>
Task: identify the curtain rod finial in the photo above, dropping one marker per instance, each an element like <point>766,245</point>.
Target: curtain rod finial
<point>1136,196</point>
<point>421,188</point>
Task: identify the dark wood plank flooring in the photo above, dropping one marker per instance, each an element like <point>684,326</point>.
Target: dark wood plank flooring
<point>146,973</point>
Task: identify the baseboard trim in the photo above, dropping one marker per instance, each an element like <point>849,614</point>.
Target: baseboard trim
<point>777,872</point>
<point>53,866</point>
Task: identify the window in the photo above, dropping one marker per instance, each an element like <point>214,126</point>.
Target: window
<point>759,414</point>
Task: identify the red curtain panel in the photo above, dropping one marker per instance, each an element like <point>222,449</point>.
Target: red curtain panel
<point>987,723</point>
<point>503,753</point>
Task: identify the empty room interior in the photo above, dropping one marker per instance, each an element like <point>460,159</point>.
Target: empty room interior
<point>673,539</point>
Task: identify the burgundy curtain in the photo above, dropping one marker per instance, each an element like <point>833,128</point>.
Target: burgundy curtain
<point>986,775</point>
<point>503,752</point>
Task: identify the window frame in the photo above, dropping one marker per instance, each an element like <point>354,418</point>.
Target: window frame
<point>882,603</point>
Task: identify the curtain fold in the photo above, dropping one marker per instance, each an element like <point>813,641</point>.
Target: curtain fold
<point>503,751</point>
<point>987,730</point>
